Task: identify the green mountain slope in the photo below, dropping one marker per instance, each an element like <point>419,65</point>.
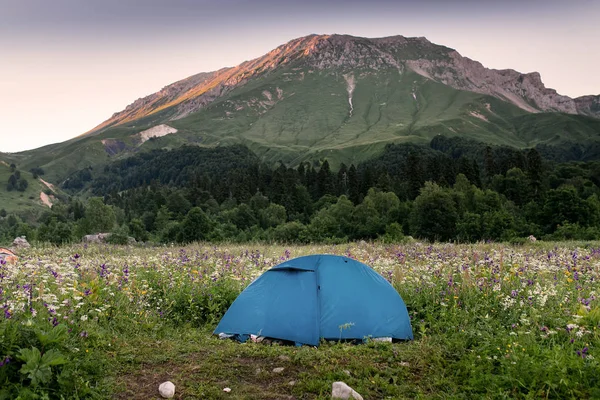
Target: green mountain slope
<point>335,97</point>
<point>16,200</point>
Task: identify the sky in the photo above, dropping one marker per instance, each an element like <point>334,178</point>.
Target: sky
<point>68,65</point>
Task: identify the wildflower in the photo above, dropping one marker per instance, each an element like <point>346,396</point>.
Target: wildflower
<point>582,353</point>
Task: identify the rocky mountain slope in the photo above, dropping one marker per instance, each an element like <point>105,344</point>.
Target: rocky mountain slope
<point>337,97</point>
<point>348,53</point>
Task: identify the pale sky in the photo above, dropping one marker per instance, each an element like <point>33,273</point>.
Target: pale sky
<point>68,65</point>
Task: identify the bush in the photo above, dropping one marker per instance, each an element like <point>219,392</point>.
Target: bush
<point>291,232</point>
<point>38,362</point>
<point>393,233</point>
<point>119,236</point>
<point>198,304</point>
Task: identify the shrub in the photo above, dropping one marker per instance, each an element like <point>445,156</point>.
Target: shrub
<point>38,362</point>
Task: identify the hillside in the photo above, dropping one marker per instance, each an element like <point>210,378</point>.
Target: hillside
<point>337,97</point>
<point>32,197</point>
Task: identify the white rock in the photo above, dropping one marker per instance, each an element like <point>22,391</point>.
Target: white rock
<point>21,242</point>
<point>98,238</point>
<point>227,390</point>
<point>339,390</point>
<point>278,370</point>
<point>167,389</point>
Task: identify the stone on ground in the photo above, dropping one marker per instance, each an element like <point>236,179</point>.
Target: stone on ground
<point>339,390</point>
<point>167,389</point>
<point>21,243</point>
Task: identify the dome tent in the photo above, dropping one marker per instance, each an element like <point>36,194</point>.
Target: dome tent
<point>319,296</point>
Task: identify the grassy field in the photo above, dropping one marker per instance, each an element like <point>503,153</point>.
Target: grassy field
<point>490,321</point>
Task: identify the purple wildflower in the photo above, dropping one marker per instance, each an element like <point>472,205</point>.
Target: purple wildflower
<point>5,361</point>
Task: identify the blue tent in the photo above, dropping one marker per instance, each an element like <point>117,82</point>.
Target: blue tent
<point>318,296</point>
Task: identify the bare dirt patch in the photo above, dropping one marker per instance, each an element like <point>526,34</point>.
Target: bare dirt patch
<point>45,199</point>
<point>48,185</point>
<point>478,115</point>
<point>206,375</point>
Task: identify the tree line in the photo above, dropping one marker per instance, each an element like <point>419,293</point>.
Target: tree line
<point>452,190</point>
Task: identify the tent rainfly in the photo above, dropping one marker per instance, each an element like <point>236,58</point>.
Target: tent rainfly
<point>318,297</point>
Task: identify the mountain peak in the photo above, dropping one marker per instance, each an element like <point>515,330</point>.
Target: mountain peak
<point>339,53</point>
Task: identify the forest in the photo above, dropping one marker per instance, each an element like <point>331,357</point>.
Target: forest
<point>451,190</point>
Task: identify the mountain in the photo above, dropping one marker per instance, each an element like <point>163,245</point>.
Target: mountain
<point>338,97</point>
<point>347,54</point>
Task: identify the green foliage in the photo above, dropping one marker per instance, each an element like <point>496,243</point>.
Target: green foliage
<point>195,304</point>
<point>434,214</point>
<point>119,235</point>
<point>39,362</point>
<point>138,230</point>
<point>37,367</point>
<point>195,227</point>
<point>98,216</point>
<point>271,216</point>
<point>55,231</point>
<point>36,172</point>
<point>478,192</point>
<point>393,233</point>
<point>291,232</point>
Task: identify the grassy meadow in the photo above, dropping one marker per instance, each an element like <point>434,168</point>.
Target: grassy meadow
<point>490,321</point>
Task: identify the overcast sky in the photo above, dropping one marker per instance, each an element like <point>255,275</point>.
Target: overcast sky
<point>67,65</point>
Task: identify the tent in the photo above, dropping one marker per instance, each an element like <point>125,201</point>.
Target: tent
<point>319,296</point>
